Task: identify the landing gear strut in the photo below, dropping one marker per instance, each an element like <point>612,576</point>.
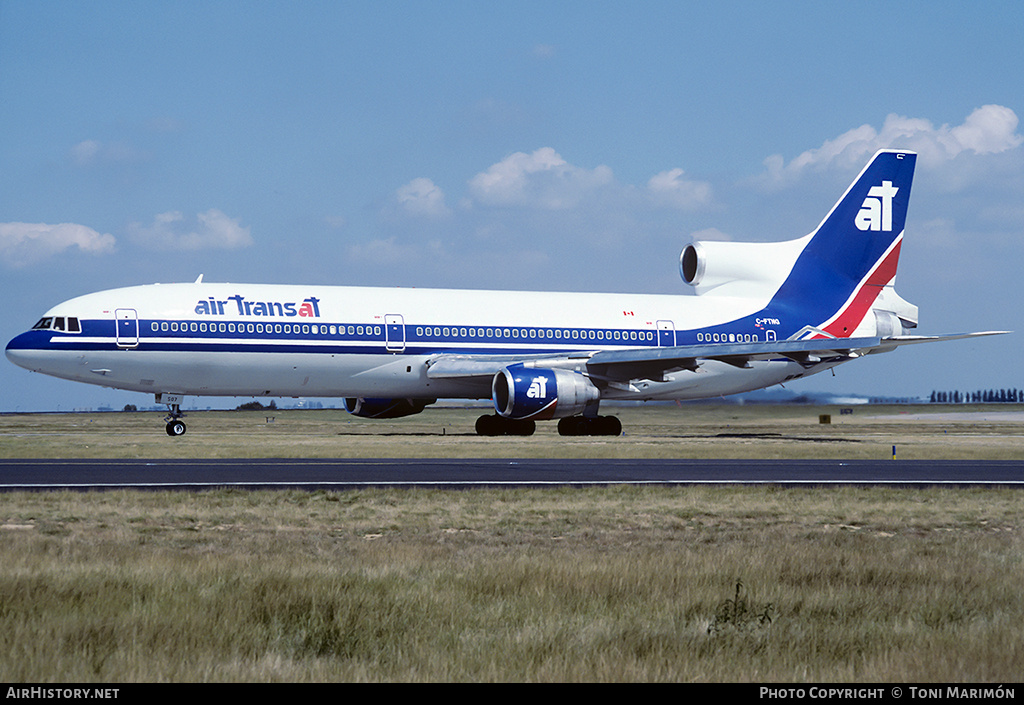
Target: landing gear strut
<point>175,426</point>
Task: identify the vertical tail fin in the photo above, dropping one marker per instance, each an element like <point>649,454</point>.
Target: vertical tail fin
<point>853,253</point>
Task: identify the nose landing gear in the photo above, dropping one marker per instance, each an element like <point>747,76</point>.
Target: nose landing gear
<point>175,426</point>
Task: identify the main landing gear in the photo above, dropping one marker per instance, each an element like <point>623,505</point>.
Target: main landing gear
<point>494,425</point>
<point>589,426</point>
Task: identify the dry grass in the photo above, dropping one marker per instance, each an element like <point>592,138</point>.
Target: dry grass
<point>616,584</point>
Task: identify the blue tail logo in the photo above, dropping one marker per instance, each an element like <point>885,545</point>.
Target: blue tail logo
<point>876,211</point>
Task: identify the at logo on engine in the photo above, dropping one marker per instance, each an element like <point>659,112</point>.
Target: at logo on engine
<point>538,388</point>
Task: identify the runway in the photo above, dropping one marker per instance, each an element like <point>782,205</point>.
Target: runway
<point>313,474</point>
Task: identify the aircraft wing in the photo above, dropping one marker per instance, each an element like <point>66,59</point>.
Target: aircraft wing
<point>654,363</point>
<point>453,365</point>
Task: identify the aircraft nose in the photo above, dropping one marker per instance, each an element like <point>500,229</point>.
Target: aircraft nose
<point>20,351</point>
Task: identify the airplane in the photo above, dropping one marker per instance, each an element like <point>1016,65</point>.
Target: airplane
<point>763,314</point>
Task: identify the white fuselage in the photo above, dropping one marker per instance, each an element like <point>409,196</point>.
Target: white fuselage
<point>287,340</point>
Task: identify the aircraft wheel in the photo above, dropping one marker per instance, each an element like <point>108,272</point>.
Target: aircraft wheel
<point>610,426</point>
<point>176,428</point>
<point>494,425</point>
<point>587,426</point>
<point>574,426</point>
<point>520,427</point>
<point>488,425</point>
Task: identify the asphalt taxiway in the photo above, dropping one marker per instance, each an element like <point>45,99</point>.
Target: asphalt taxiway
<point>311,474</point>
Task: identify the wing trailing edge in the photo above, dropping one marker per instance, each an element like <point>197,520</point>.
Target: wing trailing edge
<point>654,363</point>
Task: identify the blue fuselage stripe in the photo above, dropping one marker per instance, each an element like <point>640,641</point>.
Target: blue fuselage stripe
<point>372,338</point>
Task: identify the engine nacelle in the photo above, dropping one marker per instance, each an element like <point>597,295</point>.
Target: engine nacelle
<point>521,392</point>
<point>385,408</point>
<point>749,269</point>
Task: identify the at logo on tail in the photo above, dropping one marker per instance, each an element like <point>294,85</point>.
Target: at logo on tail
<point>876,211</point>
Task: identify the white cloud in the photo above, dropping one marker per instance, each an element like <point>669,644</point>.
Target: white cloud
<point>378,251</point>
<point>391,252</point>
<point>85,152</point>
<point>336,222</point>
<point>708,234</point>
<point>539,180</point>
<point>989,129</point>
<point>543,51</point>
<point>25,243</point>
<point>91,152</point>
<point>671,189</point>
<point>422,197</point>
<point>212,230</point>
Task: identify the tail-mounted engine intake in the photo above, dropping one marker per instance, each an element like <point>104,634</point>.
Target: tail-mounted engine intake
<point>738,268</point>
<point>521,392</point>
<point>385,408</point>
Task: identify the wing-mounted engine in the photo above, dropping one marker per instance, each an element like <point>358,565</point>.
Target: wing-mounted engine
<point>385,408</point>
<point>742,269</point>
<point>521,392</point>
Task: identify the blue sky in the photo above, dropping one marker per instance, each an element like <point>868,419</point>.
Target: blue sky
<point>523,145</point>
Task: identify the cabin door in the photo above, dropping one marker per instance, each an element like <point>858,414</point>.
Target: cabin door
<point>394,333</point>
<point>127,330</point>
<point>666,333</point>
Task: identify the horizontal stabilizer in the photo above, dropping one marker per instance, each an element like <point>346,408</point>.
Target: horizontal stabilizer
<point>887,344</point>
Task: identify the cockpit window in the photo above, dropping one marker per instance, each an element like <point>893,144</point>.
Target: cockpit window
<point>68,324</point>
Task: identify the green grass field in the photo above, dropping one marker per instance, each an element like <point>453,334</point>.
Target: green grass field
<point>688,431</point>
<point>845,584</point>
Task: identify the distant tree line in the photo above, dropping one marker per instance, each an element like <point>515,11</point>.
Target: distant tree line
<point>257,406</point>
<point>981,396</point>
